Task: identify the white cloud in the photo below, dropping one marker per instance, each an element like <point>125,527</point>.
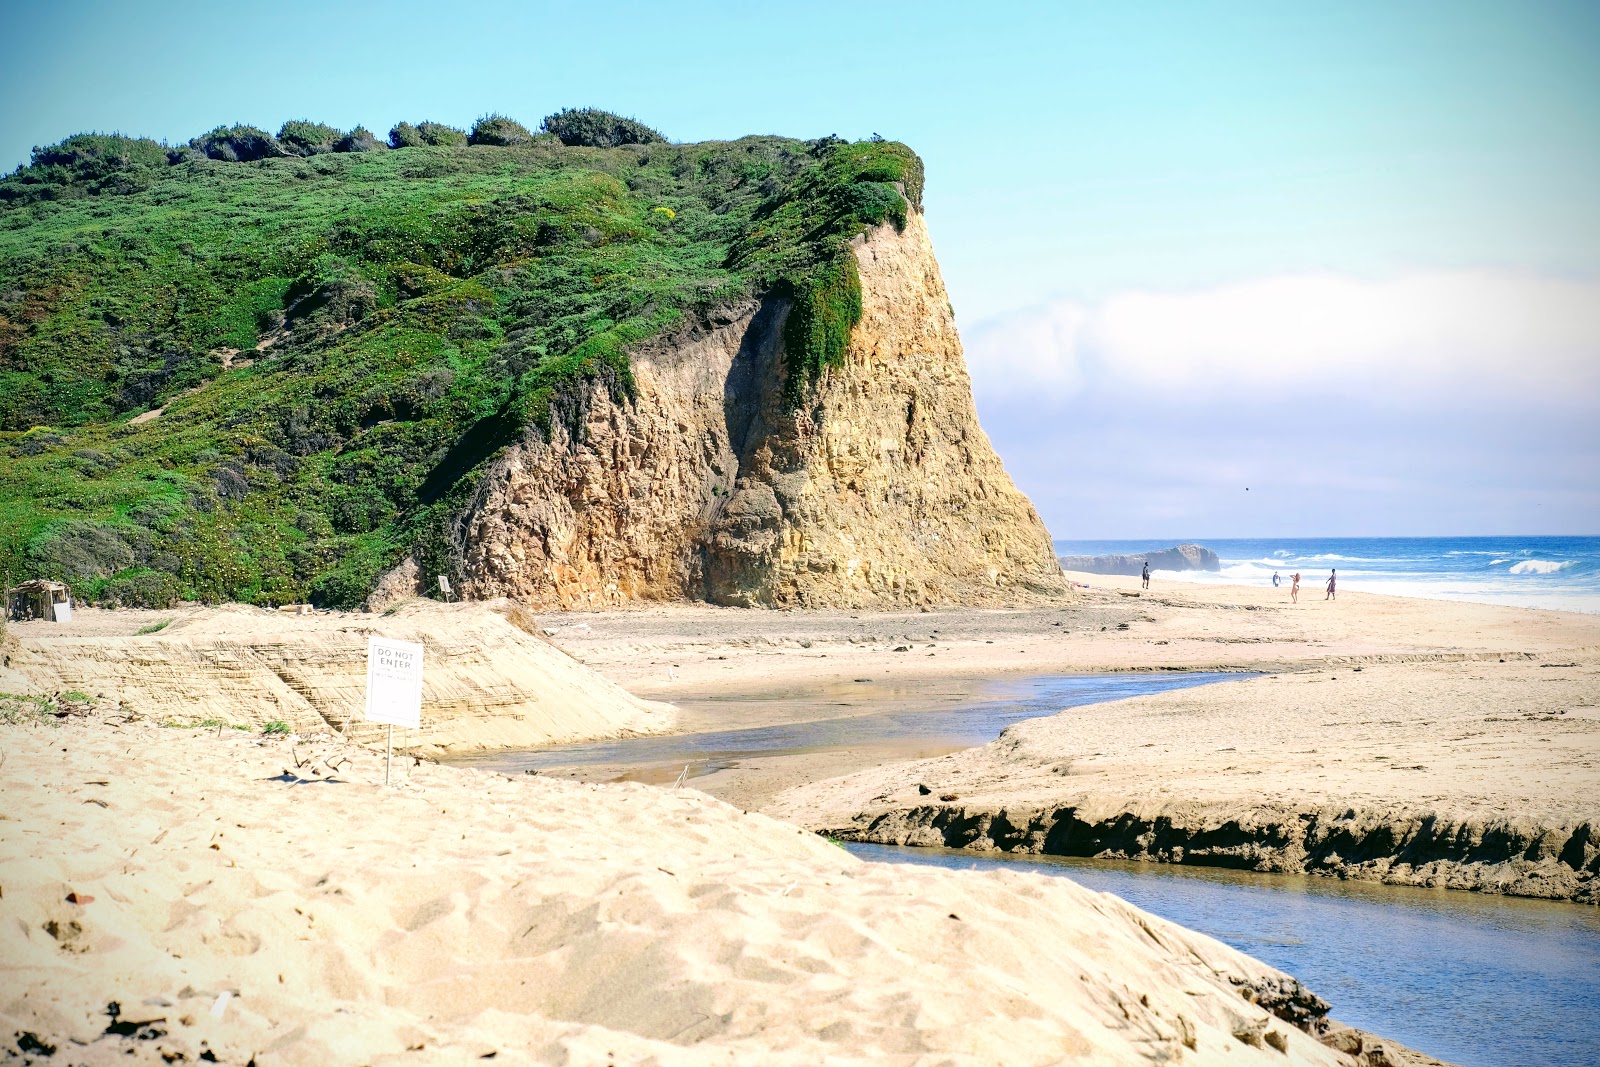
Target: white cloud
<point>1450,334</point>
<point>1432,403</point>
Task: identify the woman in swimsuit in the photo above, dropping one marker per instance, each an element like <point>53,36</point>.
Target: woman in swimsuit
<point>1294,587</point>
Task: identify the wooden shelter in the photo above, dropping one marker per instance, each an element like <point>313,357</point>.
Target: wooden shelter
<point>40,598</point>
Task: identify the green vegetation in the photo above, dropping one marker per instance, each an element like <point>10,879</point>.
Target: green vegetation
<point>233,371</point>
<point>205,724</point>
<point>153,628</point>
<point>22,709</point>
<point>590,128</point>
<point>275,728</point>
<point>497,131</point>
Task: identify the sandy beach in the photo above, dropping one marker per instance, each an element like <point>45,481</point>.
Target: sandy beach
<point>1408,740</point>
<point>203,894</point>
<point>267,898</point>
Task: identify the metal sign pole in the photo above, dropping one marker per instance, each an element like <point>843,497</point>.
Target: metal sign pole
<point>388,756</point>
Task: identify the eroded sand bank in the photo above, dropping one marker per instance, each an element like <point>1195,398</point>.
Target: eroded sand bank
<point>173,892</point>
<point>491,678</point>
<point>1408,740</point>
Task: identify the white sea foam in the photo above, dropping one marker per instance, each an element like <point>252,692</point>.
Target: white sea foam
<point>1539,566</point>
<point>1494,562</point>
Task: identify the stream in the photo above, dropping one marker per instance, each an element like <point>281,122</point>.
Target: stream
<point>1480,981</point>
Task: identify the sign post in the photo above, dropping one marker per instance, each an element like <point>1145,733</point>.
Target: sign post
<point>394,688</point>
<point>444,587</point>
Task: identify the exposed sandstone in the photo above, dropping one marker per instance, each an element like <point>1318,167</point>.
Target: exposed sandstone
<point>881,489</point>
<point>1476,774</point>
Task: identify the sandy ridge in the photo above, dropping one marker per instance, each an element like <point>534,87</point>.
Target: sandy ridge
<point>270,900</point>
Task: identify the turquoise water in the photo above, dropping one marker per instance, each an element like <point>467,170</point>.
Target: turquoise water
<point>1475,980</point>
<point>1534,572</point>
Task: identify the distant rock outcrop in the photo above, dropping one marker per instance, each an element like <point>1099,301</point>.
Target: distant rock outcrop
<point>1180,558</point>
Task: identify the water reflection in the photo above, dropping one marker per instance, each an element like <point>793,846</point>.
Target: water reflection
<point>1477,980</point>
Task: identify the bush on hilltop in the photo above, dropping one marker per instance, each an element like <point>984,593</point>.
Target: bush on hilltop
<point>359,139</point>
<point>237,144</point>
<point>86,163</point>
<point>496,129</point>
<point>302,137</point>
<point>439,135</point>
<point>589,127</point>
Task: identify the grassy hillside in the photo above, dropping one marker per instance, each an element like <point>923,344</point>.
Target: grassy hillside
<point>339,335</point>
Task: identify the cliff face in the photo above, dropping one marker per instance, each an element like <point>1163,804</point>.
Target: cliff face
<point>880,489</point>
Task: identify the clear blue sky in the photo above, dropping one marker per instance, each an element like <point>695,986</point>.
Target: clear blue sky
<point>1078,155</point>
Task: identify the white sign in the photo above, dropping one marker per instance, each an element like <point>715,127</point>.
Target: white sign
<point>444,585</point>
<point>63,611</point>
<point>394,682</point>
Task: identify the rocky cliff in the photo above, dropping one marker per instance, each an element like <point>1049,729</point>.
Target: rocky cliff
<point>880,488</point>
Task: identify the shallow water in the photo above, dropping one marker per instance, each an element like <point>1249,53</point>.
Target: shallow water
<point>971,717</point>
<point>1477,980</point>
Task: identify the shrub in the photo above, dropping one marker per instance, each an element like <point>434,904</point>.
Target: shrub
<point>88,163</point>
<point>877,202</point>
<point>405,135</point>
<point>436,134</point>
<point>302,137</point>
<point>75,550</point>
<point>237,144</point>
<point>153,628</point>
<point>359,139</point>
<point>590,127</point>
<point>275,728</point>
<point>499,130</point>
<point>141,589</point>
<point>441,136</point>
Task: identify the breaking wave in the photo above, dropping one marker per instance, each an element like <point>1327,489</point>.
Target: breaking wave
<point>1539,566</point>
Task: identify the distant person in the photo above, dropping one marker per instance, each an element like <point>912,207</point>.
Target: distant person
<point>1333,585</point>
<point>1294,587</point>
<point>1145,577</point>
<point>1275,579</point>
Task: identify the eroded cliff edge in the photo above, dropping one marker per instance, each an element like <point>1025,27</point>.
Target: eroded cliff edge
<point>880,489</point>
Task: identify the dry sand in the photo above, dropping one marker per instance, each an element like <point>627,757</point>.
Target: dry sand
<point>463,913</point>
<point>674,650</point>
<point>1464,751</point>
<point>172,892</point>
<point>491,677</point>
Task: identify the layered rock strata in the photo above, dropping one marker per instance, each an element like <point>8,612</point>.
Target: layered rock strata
<point>880,489</point>
<point>1397,847</point>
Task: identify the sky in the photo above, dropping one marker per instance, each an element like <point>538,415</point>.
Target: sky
<point>1221,269</point>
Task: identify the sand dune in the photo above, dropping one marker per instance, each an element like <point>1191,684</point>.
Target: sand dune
<point>269,899</point>
<point>491,679</point>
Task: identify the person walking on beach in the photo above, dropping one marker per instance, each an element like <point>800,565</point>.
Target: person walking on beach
<point>1333,582</point>
<point>1145,577</point>
<point>1294,587</point>
<point>1274,579</point>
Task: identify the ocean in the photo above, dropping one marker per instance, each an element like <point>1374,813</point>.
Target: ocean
<point>1561,573</point>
